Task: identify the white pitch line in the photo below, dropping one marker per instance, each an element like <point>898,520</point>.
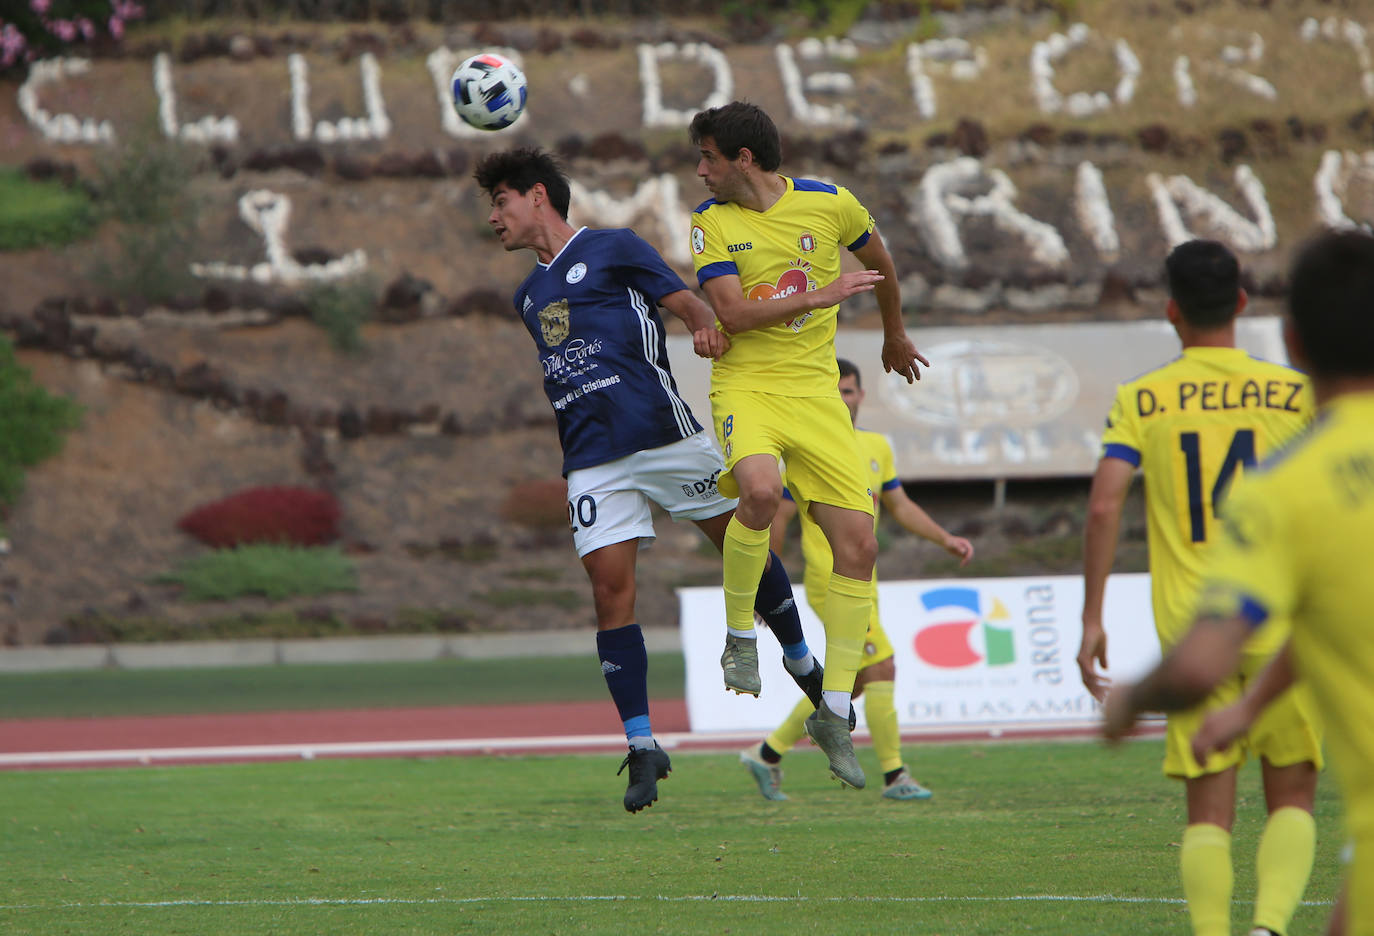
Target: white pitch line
<point>611,898</point>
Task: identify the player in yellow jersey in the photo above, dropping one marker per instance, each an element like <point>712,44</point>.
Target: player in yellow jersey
<point>875,679</point>
<point>1296,543</point>
<point>767,253</point>
<point>1194,426</point>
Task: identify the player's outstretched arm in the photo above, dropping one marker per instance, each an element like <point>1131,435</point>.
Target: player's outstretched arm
<point>1111,482</point>
<point>914,519</point>
<point>1193,668</point>
<point>899,352</point>
<point>738,313</point>
<point>1221,728</point>
<point>707,340</point>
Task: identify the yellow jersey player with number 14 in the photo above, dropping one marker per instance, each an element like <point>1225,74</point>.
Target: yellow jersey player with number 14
<point>767,253</point>
<point>1195,426</point>
<point>1295,542</point>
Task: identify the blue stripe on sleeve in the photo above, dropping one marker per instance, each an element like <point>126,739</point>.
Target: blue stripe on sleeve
<point>1252,612</point>
<point>787,494</point>
<point>1123,452</point>
<point>813,185</point>
<point>861,241</point>
<point>719,268</point>
<point>891,484</point>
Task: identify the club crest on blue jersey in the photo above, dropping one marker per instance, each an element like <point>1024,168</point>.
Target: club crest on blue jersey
<point>555,322</point>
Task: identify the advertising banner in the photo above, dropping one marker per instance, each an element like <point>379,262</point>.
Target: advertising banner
<point>998,401</point>
<point>971,653</point>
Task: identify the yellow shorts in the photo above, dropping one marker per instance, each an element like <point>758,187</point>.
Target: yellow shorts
<point>813,435</point>
<point>1287,732</point>
<point>877,646</point>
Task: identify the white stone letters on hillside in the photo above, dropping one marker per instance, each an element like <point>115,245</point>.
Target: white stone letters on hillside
<point>1081,103</point>
<point>375,126</point>
<point>962,61</point>
<point>1332,184</point>
<point>795,86</point>
<point>60,128</point>
<point>209,129</point>
<point>658,199</point>
<point>655,114</point>
<point>269,213</point>
<point>1180,194</point>
<point>939,205</point>
<point>1353,35</point>
<point>1094,211</point>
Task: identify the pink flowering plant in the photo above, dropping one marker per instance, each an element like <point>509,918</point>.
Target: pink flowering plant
<point>35,29</point>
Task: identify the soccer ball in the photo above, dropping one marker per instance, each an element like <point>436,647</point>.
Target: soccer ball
<point>488,91</point>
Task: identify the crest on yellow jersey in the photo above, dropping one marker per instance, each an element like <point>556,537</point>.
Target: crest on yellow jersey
<point>807,242</point>
<point>555,321</point>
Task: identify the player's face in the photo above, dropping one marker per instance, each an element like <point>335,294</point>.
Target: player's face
<point>722,176</point>
<point>852,394</point>
<point>512,216</point>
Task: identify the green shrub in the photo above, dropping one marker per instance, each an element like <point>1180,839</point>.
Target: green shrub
<point>273,571</point>
<point>32,423</point>
<point>146,186</point>
<point>340,308</point>
<point>41,214</point>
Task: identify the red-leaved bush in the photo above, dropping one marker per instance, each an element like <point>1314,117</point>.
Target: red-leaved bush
<point>289,515</point>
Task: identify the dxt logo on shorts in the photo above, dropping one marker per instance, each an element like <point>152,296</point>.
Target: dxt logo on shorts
<point>706,487</point>
<point>956,615</point>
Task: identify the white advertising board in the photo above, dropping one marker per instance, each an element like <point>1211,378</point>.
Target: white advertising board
<point>998,401</point>
<point>970,653</point>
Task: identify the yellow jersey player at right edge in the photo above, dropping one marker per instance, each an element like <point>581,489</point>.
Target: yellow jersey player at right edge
<point>1196,426</point>
<point>1296,541</point>
<point>766,249</point>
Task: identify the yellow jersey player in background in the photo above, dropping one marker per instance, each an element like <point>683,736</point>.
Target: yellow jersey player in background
<point>766,249</point>
<point>1296,542</point>
<point>1195,426</point>
<point>877,672</point>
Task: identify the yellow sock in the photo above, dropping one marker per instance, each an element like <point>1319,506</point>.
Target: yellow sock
<point>882,724</point>
<point>1207,878</point>
<point>847,606</point>
<point>1283,865</point>
<point>744,554</point>
<point>791,730</point>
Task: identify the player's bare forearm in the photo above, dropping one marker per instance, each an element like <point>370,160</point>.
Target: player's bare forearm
<point>1111,482</point>
<point>1193,668</point>
<point>1276,679</point>
<point>690,308</point>
<point>913,518</point>
<point>738,313</point>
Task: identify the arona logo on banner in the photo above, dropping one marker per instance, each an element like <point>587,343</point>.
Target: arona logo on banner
<point>948,642</point>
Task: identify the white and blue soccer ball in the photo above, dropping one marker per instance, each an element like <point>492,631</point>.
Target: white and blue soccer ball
<point>488,91</point>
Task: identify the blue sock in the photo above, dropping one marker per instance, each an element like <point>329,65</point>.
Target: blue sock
<point>625,664</point>
<point>778,609</point>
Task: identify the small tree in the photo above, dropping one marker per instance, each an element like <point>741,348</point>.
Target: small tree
<point>33,423</point>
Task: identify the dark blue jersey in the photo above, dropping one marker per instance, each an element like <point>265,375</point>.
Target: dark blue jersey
<point>593,314</point>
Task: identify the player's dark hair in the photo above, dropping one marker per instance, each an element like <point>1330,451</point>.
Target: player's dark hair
<point>520,169</point>
<point>847,369</point>
<point>1331,302</point>
<point>1204,279</point>
<point>740,125</point>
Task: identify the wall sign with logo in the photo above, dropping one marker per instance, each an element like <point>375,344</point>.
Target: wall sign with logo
<point>970,653</point>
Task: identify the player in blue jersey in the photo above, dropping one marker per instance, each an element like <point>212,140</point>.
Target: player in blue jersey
<point>591,306</point>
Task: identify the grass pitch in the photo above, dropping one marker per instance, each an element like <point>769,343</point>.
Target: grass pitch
<point>1020,838</point>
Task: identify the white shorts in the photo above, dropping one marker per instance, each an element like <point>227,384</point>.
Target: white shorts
<point>610,503</point>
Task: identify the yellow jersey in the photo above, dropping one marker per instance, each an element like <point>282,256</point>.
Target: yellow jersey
<point>880,469</point>
<point>1299,544</point>
<point>1193,426</point>
<point>792,247</point>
